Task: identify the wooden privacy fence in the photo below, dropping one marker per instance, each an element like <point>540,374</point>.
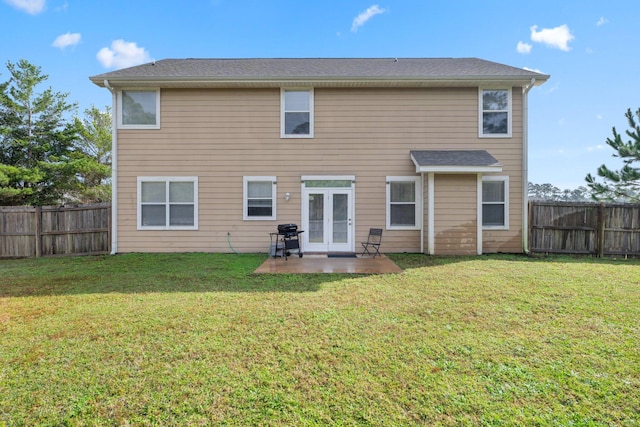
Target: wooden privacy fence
<point>34,231</point>
<point>601,229</point>
<point>610,229</point>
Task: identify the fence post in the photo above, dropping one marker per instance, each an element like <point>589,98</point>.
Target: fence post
<point>530,230</point>
<point>38,231</point>
<point>601,229</point>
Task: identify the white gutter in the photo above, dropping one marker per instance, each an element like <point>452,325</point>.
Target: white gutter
<point>267,81</point>
<point>525,165</point>
<point>114,169</point>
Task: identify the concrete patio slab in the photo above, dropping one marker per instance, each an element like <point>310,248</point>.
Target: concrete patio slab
<point>323,264</point>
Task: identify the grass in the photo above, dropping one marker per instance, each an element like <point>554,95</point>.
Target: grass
<point>197,339</point>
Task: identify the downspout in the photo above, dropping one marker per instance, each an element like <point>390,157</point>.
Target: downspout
<point>422,215</point>
<point>431,222</point>
<point>114,169</point>
<point>525,165</point>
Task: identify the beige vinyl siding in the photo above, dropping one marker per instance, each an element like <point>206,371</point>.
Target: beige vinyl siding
<point>455,214</point>
<point>221,135</point>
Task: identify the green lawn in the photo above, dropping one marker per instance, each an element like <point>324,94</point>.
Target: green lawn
<point>198,339</point>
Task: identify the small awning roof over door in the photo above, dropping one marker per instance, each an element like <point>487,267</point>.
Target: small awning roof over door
<point>454,161</point>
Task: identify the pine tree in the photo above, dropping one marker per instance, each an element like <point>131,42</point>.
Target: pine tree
<point>36,141</point>
<point>623,184</point>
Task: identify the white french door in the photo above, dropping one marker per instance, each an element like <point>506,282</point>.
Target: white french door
<point>327,219</point>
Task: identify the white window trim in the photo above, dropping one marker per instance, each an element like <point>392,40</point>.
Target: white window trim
<point>509,112</point>
<point>245,201</point>
<point>505,179</point>
<point>119,115</point>
<point>418,201</point>
<point>311,112</point>
<point>167,180</point>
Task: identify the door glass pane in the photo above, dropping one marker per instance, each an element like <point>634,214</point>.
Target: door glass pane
<point>340,218</point>
<point>316,218</point>
<point>340,183</point>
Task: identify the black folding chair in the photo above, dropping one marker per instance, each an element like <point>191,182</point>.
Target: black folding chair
<point>373,242</point>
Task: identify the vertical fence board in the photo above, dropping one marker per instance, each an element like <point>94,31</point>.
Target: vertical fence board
<point>27,231</point>
<point>584,228</point>
<point>554,227</point>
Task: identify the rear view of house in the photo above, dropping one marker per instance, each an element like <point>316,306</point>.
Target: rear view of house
<point>210,153</point>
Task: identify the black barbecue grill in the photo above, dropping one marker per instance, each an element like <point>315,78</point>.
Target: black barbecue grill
<point>287,240</point>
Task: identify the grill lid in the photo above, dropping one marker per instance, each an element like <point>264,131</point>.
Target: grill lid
<point>287,228</point>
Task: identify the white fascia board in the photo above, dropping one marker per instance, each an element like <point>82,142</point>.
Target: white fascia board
<point>458,169</point>
<point>266,81</point>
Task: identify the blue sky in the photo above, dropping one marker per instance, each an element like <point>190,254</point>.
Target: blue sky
<point>586,46</point>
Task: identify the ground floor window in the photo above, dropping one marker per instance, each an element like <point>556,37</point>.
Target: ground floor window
<point>495,202</point>
<point>259,198</point>
<point>404,202</point>
<point>167,203</point>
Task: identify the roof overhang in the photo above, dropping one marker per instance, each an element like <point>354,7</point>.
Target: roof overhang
<point>319,72</point>
<point>204,83</point>
<point>455,161</point>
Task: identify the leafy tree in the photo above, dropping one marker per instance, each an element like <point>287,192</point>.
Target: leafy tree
<point>16,183</point>
<point>36,142</point>
<point>623,184</point>
<point>553,193</point>
<point>543,191</point>
<point>93,161</point>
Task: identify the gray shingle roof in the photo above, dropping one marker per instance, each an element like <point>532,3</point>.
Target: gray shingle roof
<point>285,69</point>
<point>454,160</point>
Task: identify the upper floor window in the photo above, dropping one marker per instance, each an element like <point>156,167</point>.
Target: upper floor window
<point>495,112</point>
<point>495,202</point>
<point>167,203</point>
<point>403,202</point>
<point>139,109</point>
<point>296,116</point>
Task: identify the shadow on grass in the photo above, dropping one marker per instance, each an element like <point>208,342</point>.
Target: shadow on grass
<point>409,261</point>
<point>202,272</point>
<point>148,273</point>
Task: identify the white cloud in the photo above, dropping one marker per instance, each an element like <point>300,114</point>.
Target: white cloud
<point>362,19</point>
<point>557,37</point>
<point>524,48</point>
<point>602,21</point>
<point>589,51</point>
<point>599,116</point>
<point>597,147</point>
<point>63,8</point>
<point>30,6</point>
<point>122,54</point>
<point>69,39</point>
